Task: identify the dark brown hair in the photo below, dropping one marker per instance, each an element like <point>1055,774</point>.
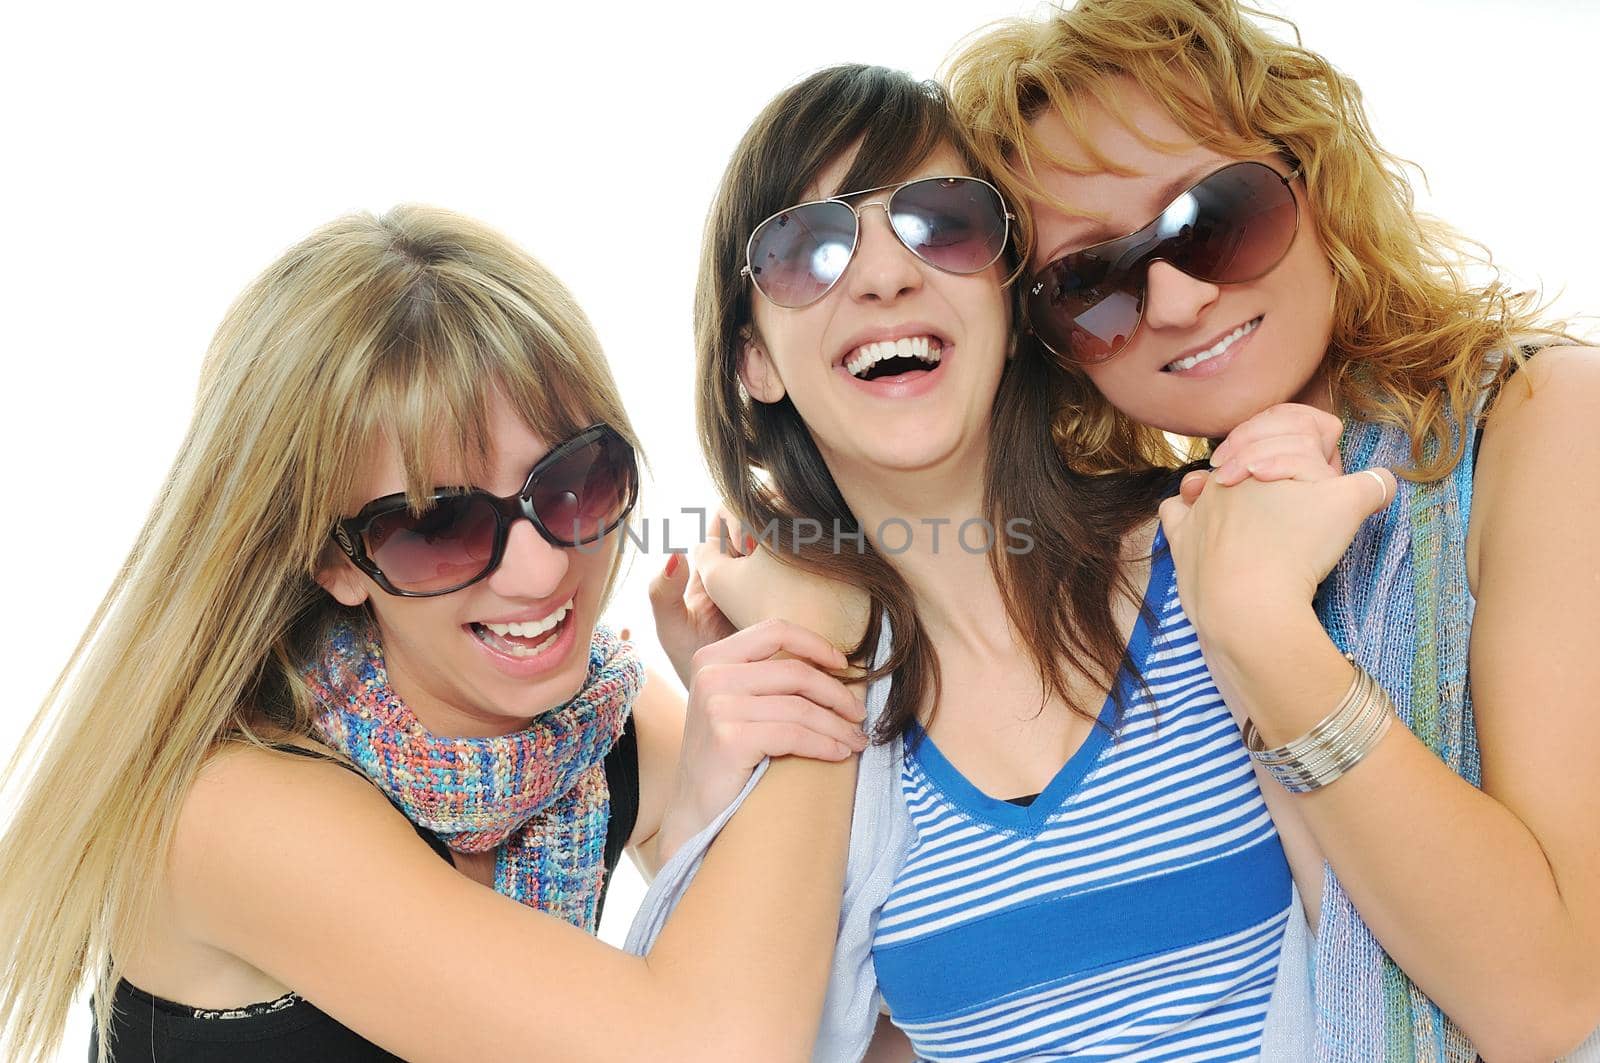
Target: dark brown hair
<point>1059,594</point>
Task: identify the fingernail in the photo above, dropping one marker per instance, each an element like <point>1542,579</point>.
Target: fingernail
<point>672,564</point>
<point>749,544</point>
<point>841,750</point>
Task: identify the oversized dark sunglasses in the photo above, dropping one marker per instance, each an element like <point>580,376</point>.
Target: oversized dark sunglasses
<point>955,224</point>
<point>1232,226</point>
<point>576,494</point>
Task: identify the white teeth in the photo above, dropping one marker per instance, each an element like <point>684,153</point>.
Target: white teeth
<point>1215,349</point>
<point>864,357</point>
<point>533,628</point>
<point>528,651</point>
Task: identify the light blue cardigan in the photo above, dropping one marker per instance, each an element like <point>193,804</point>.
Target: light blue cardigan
<point>879,837</point>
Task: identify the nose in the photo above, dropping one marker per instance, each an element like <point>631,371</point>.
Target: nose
<point>1172,298</point>
<point>530,567</point>
<point>883,270</point>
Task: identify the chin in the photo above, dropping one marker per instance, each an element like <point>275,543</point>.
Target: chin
<point>531,702</point>
<point>914,447</point>
<point>1223,415</point>
<point>1212,429</point>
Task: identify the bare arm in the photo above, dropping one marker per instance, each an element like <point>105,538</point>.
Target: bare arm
<point>334,895</point>
<point>1489,899</point>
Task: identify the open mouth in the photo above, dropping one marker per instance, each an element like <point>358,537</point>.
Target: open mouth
<point>886,359</point>
<point>527,639</point>
<point>1216,350</point>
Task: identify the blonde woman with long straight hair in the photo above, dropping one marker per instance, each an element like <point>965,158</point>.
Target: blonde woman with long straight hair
<point>307,599</point>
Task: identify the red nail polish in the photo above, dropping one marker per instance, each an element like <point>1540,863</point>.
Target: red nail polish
<point>672,564</point>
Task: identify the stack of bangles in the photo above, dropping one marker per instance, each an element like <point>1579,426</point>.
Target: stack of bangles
<point>1334,746</point>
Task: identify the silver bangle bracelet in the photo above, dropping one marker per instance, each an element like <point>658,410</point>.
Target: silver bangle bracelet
<point>1337,743</point>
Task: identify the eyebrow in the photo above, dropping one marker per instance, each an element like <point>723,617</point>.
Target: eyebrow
<point>1102,230</point>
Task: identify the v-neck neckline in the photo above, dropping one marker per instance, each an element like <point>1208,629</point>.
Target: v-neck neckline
<point>1031,818</point>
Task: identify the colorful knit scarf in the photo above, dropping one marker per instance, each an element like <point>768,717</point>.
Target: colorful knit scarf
<point>1399,602</point>
<point>538,797</point>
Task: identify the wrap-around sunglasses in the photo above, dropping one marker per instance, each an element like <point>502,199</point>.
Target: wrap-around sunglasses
<point>576,494</point>
<point>1231,226</point>
<point>954,224</point>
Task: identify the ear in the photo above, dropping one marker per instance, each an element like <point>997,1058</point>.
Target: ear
<point>757,373</point>
<point>341,579</point>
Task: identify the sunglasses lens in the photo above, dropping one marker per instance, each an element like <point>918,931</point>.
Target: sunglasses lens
<point>588,491</point>
<point>1232,227</point>
<point>796,256</point>
<point>1080,306</point>
<point>956,224</point>
<point>447,546</point>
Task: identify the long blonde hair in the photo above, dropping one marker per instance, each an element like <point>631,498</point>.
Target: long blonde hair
<point>394,327</point>
<point>1412,334</point>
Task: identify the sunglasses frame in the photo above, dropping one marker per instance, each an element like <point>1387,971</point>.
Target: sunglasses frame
<point>349,533</point>
<point>1035,279</point>
<point>748,270</point>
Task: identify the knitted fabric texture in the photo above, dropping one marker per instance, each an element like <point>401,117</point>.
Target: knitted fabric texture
<point>1399,602</point>
<point>537,797</point>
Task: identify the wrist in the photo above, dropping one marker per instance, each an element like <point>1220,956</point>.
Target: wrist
<point>1337,743</point>
<point>1280,670</point>
<point>1250,628</point>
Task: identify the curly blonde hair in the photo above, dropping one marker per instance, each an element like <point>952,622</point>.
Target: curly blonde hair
<point>1415,340</point>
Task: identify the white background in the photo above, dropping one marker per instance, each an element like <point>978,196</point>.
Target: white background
<point>156,157</point>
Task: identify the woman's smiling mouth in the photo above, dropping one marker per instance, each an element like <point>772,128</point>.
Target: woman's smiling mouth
<point>885,358</point>
<point>524,639</point>
<point>1216,350</point>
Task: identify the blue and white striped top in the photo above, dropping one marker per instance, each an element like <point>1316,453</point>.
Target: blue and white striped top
<point>1133,911</point>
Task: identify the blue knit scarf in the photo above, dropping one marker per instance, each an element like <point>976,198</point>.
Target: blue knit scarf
<point>1399,602</point>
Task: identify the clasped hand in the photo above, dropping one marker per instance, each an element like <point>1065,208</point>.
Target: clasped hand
<point>1268,523</point>
<point>770,690</point>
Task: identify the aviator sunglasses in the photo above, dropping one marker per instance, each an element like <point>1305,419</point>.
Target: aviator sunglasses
<point>954,224</point>
<point>576,494</point>
<point>1231,226</point>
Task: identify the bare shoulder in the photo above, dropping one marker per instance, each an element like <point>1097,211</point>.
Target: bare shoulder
<point>1541,451</point>
<point>302,869</point>
<point>250,809</point>
<point>1556,381</point>
<point>241,783</point>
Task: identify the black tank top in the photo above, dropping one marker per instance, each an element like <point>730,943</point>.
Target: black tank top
<point>148,1029</point>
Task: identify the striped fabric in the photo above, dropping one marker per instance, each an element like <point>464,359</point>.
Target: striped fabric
<point>1133,911</point>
